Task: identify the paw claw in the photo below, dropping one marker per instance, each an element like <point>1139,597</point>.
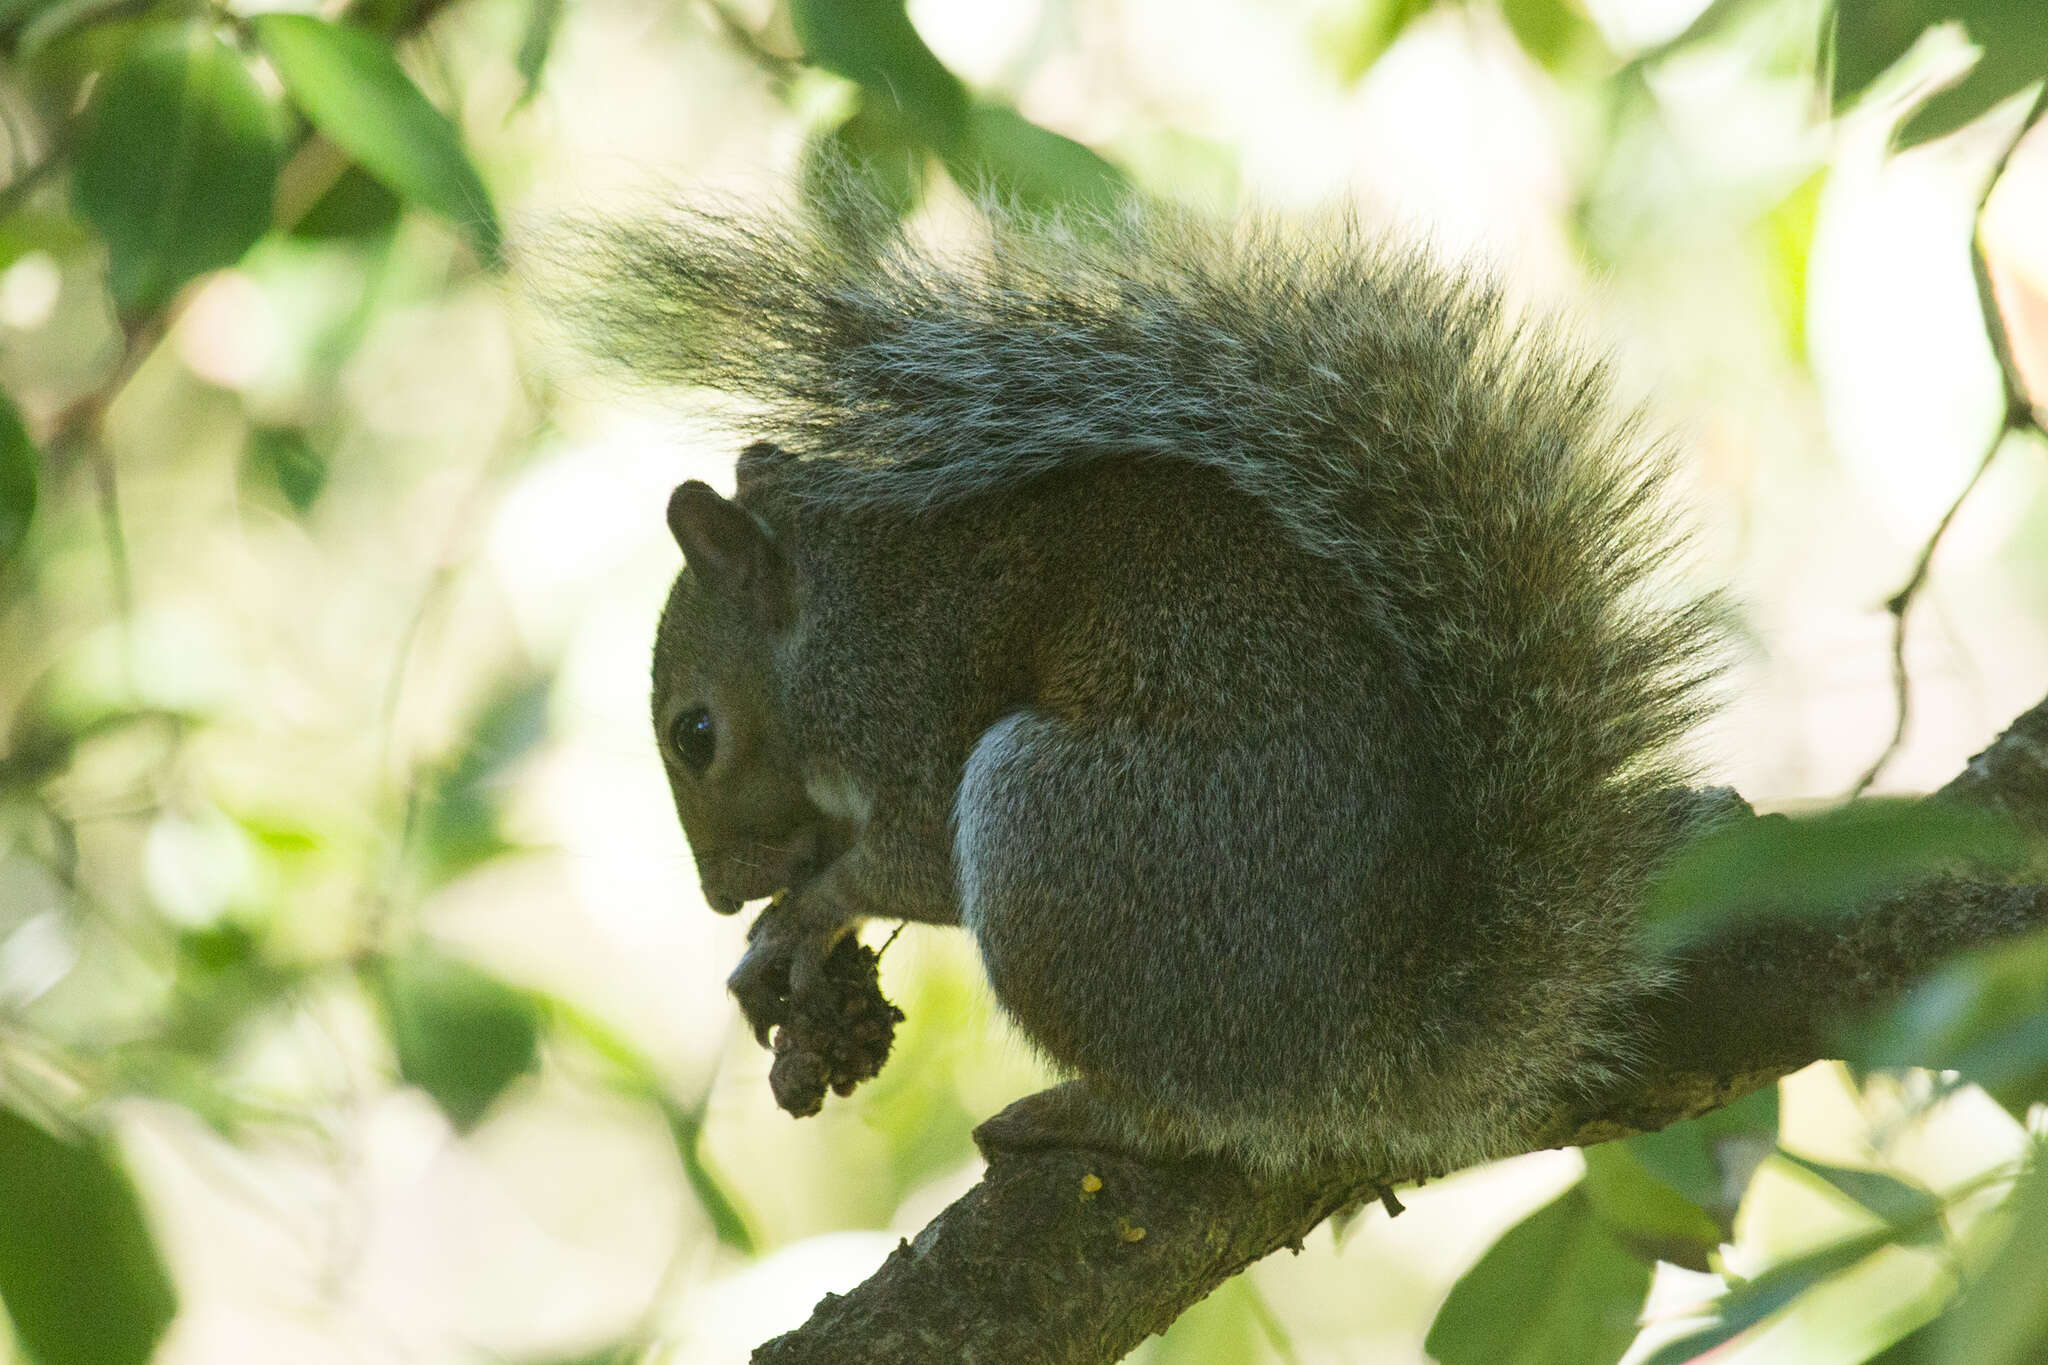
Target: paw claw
<point>784,963</point>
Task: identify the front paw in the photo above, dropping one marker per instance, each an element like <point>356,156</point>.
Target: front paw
<point>816,987</point>
<point>784,961</point>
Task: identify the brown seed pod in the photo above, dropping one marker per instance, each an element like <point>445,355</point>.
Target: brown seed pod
<point>837,1035</point>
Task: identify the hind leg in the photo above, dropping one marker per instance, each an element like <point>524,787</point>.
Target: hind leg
<point>1130,893</point>
<point>1074,1114</point>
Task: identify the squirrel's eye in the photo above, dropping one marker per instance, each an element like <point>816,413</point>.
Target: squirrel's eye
<point>694,739</point>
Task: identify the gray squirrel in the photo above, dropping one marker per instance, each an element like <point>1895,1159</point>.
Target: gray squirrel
<point>1259,639</point>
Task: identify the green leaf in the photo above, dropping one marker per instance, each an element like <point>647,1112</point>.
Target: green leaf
<point>223,980</point>
<point>176,163</point>
<point>20,472</point>
<point>543,19</point>
<point>349,84</point>
<point>1752,1301</point>
<point>1870,36</point>
<point>1821,864</point>
<point>1229,1327</point>
<point>1556,34</point>
<point>2014,56</point>
<point>1709,1160</point>
<point>1984,1015</point>
<point>48,21</point>
<point>282,457</point>
<point>1349,46</point>
<point>1556,1289</point>
<point>873,42</point>
<point>1914,1348</point>
<point>1035,167</point>
<point>873,146</point>
<point>1718,18</point>
<point>685,1127</point>
<point>458,818</point>
<point>1907,1206</point>
<point>1644,1212</point>
<point>461,1036</point>
<point>79,1273</point>
<point>635,1076</point>
<point>2002,1317</point>
<point>27,230</point>
<point>356,205</point>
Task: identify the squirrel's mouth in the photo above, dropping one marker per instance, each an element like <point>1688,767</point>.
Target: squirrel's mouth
<point>758,871</point>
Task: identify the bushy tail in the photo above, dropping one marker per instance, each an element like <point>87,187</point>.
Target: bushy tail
<point>1464,469</point>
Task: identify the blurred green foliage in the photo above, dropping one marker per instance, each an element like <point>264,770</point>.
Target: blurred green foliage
<point>1823,864</point>
<point>155,142</point>
<point>78,1271</point>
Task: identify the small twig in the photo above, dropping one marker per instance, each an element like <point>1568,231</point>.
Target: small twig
<point>83,423</point>
<point>1897,605</point>
<point>2020,410</point>
<point>2019,414</point>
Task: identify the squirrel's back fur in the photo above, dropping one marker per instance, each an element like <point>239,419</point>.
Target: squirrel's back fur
<point>1462,471</point>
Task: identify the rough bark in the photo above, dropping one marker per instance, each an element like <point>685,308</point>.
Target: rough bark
<point>1067,1256</point>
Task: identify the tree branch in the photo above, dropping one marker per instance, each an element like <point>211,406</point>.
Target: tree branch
<point>1041,1265</point>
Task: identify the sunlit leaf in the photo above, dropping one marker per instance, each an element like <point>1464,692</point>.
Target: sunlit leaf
<point>79,1272</point>
<point>1717,18</point>
<point>20,473</point>
<point>2002,1317</point>
<point>1905,1205</point>
<point>27,230</point>
<point>1034,167</point>
<point>1821,864</point>
<point>1556,1289</point>
<point>1984,1015</point>
<point>1770,1293</point>
<point>1556,34</point>
<point>1709,1160</point>
<point>47,21</point>
<point>458,1034</point>
<point>176,164</point>
<point>603,1355</point>
<point>1787,233</point>
<point>874,43</point>
<point>1644,1212</point>
<point>1351,44</point>
<point>915,1100</point>
<point>349,84</point>
<point>543,19</point>
<point>1227,1328</point>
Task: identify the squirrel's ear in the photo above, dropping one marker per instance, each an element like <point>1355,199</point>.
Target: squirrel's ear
<point>729,550</point>
<point>756,462</point>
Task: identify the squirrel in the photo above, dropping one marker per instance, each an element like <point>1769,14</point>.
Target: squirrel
<point>1261,640</point>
